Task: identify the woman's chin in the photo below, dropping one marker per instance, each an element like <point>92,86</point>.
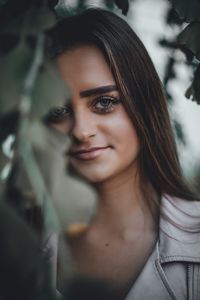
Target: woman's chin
<point>89,177</point>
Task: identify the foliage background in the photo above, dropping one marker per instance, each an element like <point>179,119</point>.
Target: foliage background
<point>153,20</point>
<point>33,180</point>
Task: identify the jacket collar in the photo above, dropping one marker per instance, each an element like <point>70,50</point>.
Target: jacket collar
<point>179,237</point>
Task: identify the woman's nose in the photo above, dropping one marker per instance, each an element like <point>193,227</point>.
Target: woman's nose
<point>83,127</point>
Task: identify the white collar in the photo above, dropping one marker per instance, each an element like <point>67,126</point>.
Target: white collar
<point>179,241</point>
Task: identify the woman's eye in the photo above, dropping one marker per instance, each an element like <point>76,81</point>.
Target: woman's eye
<point>58,114</point>
<point>105,104</point>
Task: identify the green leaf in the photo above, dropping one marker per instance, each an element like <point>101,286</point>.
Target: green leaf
<point>8,124</point>
<point>173,17</point>
<point>2,2</point>
<point>3,161</point>
<point>43,18</point>
<point>170,70</point>
<point>74,200</point>
<point>188,10</point>
<point>123,5</point>
<point>25,273</point>
<point>40,13</point>
<point>49,90</point>
<point>189,38</point>
<point>52,3</point>
<point>109,4</point>
<point>193,92</point>
<point>14,67</point>
<point>179,132</point>
<point>8,41</point>
<point>44,137</point>
<point>30,22</point>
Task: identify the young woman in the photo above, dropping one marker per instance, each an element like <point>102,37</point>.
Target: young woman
<point>144,240</point>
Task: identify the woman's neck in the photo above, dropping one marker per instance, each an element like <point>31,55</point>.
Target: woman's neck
<point>122,205</point>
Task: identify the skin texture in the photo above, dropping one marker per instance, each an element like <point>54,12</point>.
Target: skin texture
<point>90,124</point>
<point>123,232</point>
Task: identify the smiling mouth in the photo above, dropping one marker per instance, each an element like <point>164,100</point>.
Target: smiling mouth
<point>88,154</point>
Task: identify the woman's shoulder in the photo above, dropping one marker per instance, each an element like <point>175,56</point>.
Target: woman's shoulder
<point>179,236</point>
<point>185,213</point>
<point>179,206</point>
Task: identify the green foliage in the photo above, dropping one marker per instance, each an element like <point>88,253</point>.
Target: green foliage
<point>29,85</point>
<point>179,132</point>
<point>63,9</point>
<point>173,17</point>
<point>50,84</point>
<point>14,67</point>
<point>189,11</point>
<point>188,39</point>
<point>2,2</point>
<point>193,92</point>
<point>19,40</point>
<point>24,269</point>
<point>123,5</point>
<point>11,9</point>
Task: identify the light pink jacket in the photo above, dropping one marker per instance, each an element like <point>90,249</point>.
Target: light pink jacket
<point>173,269</point>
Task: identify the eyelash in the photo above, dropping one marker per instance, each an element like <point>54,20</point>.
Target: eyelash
<point>57,114</point>
<point>111,102</point>
<point>60,113</point>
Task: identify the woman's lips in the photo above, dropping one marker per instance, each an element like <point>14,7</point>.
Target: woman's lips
<point>89,154</point>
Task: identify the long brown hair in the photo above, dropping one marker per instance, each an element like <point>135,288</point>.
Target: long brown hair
<point>140,88</point>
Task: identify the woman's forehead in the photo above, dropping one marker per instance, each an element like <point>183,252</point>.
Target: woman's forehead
<point>86,67</point>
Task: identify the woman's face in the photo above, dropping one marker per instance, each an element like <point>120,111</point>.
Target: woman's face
<point>104,143</point>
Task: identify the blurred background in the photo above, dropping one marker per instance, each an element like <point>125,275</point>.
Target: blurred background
<point>149,20</point>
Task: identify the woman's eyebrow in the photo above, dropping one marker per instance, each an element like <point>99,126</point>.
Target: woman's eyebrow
<point>98,90</point>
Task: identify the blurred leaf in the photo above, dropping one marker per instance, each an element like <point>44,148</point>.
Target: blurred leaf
<point>188,53</point>
<point>109,4</point>
<point>42,138</point>
<point>189,11</point>
<point>179,132</point>
<point>25,28</point>
<point>81,4</point>
<point>8,124</point>
<point>189,38</point>
<point>49,147</point>
<point>38,187</point>
<point>8,41</point>
<point>74,201</point>
<point>168,96</point>
<point>173,17</point>
<point>49,90</point>
<point>14,9</point>
<point>41,19</point>
<point>171,44</point>
<point>193,92</point>
<point>6,156</point>
<point>169,72</point>
<point>25,273</point>
<point>63,10</point>
<point>14,67</point>
<point>52,3</point>
<point>3,161</point>
<point>2,2</point>
<point>123,5</point>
